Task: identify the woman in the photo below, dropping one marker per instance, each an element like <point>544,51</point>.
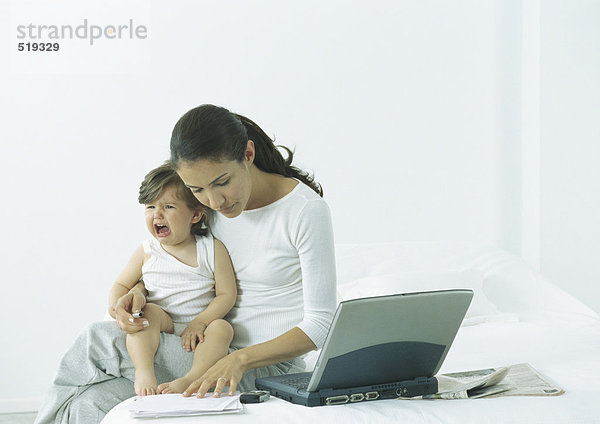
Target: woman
<point>277,228</point>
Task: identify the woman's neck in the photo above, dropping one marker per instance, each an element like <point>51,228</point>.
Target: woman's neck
<point>268,188</point>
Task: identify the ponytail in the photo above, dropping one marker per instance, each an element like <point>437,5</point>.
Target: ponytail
<point>269,159</point>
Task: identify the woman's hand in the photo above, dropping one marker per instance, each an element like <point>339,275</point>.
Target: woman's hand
<point>134,301</point>
<point>228,371</point>
<point>193,335</point>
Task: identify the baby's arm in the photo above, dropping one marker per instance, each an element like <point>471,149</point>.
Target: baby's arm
<point>225,297</point>
<point>128,279</point>
<point>225,287</point>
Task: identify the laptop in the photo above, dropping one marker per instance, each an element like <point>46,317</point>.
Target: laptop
<point>379,348</point>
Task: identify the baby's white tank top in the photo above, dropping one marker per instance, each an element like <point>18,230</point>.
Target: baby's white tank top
<point>180,290</point>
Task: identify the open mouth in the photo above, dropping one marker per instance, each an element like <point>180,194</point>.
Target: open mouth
<point>162,230</point>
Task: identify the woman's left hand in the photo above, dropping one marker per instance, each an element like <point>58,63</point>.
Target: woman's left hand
<point>228,371</point>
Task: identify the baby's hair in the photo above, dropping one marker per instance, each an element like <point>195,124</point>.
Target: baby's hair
<point>158,179</point>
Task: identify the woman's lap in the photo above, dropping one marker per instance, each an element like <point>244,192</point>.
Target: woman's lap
<point>96,374</point>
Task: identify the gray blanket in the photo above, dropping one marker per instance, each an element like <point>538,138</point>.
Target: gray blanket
<point>96,374</point>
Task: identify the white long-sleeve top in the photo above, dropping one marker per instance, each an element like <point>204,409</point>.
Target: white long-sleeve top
<point>283,257</point>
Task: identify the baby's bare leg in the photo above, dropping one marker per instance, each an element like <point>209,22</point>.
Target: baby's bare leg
<point>217,337</point>
<point>142,347</point>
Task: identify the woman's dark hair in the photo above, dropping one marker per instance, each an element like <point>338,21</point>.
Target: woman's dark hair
<point>165,176</point>
<point>214,133</point>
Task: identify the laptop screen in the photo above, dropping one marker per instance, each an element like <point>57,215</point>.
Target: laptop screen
<point>389,338</point>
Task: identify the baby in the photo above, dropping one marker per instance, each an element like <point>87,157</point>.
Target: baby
<point>189,278</point>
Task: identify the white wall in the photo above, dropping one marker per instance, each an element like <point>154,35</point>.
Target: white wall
<point>409,113</point>
<point>570,149</point>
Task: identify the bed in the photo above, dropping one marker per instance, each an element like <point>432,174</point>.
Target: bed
<point>516,316</point>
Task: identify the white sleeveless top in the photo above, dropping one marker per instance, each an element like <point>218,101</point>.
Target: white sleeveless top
<point>180,290</point>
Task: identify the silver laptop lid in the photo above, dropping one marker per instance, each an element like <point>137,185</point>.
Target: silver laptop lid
<point>392,338</point>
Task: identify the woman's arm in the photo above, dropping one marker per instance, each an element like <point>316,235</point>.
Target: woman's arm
<point>289,345</point>
<point>230,370</point>
<point>316,250</point>
<point>225,296</point>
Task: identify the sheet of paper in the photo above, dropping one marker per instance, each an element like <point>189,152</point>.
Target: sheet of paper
<point>172,405</point>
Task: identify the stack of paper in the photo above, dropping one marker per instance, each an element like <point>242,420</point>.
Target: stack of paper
<point>175,405</point>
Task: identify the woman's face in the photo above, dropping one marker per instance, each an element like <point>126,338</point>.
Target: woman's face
<point>223,186</point>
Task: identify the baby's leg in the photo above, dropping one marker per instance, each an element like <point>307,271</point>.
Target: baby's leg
<point>217,337</point>
<point>142,347</point>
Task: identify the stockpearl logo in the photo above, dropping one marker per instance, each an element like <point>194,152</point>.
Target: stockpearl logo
<point>84,31</point>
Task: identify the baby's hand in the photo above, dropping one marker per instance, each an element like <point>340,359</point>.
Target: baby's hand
<point>193,335</point>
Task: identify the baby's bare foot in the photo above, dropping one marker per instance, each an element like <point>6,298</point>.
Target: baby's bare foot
<point>145,383</point>
<point>176,386</point>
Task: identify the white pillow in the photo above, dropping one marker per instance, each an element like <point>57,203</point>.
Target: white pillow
<point>355,261</point>
<point>480,309</point>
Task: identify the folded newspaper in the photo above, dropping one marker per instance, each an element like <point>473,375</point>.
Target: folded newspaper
<point>175,405</point>
<point>514,380</point>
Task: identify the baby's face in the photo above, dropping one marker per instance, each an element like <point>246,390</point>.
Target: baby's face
<point>169,219</point>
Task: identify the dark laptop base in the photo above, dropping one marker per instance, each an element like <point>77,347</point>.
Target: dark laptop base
<point>409,388</point>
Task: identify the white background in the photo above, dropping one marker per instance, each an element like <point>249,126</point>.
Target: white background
<point>428,120</point>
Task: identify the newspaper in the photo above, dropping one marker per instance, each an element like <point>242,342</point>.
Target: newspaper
<point>514,380</point>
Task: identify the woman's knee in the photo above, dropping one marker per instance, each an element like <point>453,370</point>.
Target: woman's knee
<point>221,328</point>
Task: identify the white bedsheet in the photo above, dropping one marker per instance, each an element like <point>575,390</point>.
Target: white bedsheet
<point>566,355</point>
<point>530,321</point>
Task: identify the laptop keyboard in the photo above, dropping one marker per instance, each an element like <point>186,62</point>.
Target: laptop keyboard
<point>298,382</point>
